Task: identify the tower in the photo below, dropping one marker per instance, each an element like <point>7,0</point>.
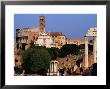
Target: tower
<point>42,23</point>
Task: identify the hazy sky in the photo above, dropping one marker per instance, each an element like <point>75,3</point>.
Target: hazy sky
<point>72,25</point>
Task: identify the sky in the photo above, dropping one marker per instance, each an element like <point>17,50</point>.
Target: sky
<point>72,25</point>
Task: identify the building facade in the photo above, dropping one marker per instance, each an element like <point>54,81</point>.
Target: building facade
<point>38,36</point>
<point>25,36</point>
<point>59,38</point>
<point>74,41</point>
<point>45,40</point>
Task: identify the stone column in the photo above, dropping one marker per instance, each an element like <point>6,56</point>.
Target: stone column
<point>86,52</point>
<point>95,49</point>
<point>55,67</point>
<point>51,66</point>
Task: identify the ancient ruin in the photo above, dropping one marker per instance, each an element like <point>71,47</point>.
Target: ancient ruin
<point>69,65</point>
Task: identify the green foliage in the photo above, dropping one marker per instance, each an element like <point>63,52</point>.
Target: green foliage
<point>27,60</point>
<point>36,60</point>
<point>54,52</point>
<point>90,47</point>
<point>82,46</point>
<point>69,49</point>
<point>21,52</point>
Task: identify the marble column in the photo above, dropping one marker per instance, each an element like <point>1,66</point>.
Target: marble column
<point>53,66</point>
<point>56,67</point>
<point>95,49</point>
<point>86,52</point>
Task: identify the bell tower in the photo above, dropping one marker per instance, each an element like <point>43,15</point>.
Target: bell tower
<point>42,23</point>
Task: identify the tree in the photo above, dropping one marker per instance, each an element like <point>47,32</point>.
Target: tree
<point>54,52</point>
<point>69,49</point>
<point>26,60</point>
<point>21,52</point>
<point>90,47</point>
<point>82,46</point>
<point>36,60</point>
